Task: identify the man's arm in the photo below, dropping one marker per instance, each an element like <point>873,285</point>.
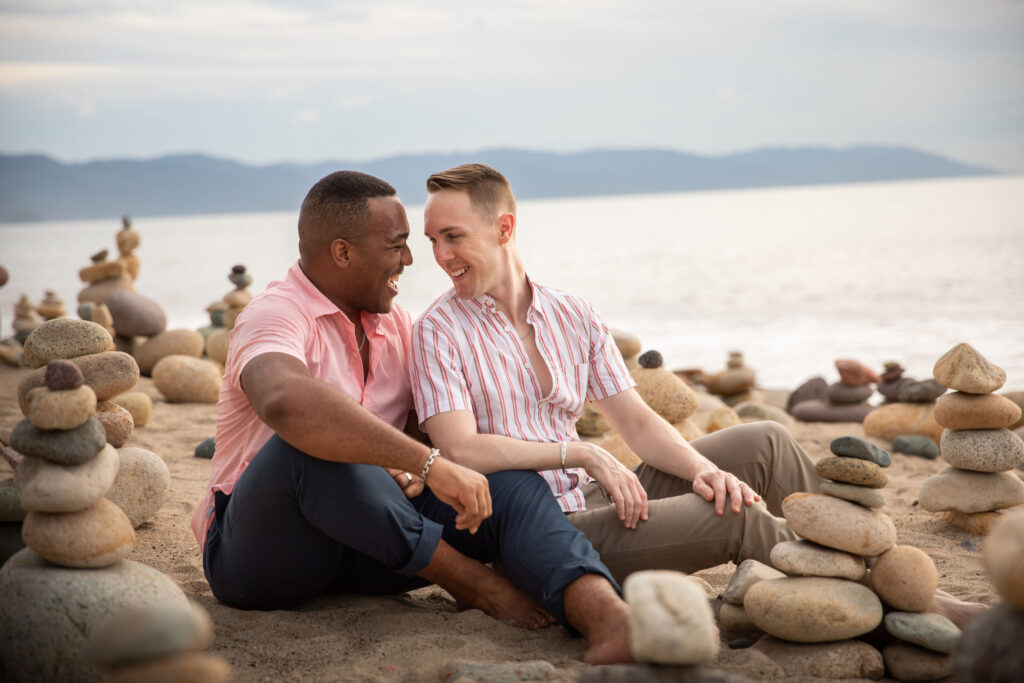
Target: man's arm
<point>324,423</point>
<point>455,433</point>
<point>662,447</point>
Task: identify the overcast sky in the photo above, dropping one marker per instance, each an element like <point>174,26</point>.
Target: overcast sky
<point>312,80</point>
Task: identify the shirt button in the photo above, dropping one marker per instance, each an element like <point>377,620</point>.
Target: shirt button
<point>508,329</point>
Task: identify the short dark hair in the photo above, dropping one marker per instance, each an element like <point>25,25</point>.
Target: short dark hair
<point>488,189</point>
<point>336,207</point>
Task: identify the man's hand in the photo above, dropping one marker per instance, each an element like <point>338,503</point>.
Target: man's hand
<point>410,484</point>
<point>463,489</point>
<point>617,480</point>
<point>713,484</point>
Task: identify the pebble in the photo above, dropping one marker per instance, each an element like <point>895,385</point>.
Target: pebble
<point>964,491</point>
<point>915,444</point>
<point>104,270</point>
<point>890,389</point>
<point>854,447</point>
<point>814,389</point>
<point>217,346</point>
<point>650,359</point>
<point>920,392</point>
<point>979,523</point>
<point>48,487</point>
<point>68,447</point>
<point>990,648</point>
<point>932,631</point>
<point>856,374</point>
<point>65,338</point>
<point>821,411</point>
<point>962,368</point>
<point>666,394</point>
<point>863,495</point>
<point>749,410</point>
<point>734,622</point>
<point>138,403</point>
<point>722,418</point>
<point>730,382</point>
<point>171,342</point>
<point>851,471</point>
<point>982,450</point>
<point>206,449</point>
<point>62,375</point>
<point>906,662</point>
<point>1004,557</point>
<point>842,659</point>
<point>844,394</point>
<point>591,422</point>
<point>109,373</point>
<point>183,379</point>
<point>502,672</point>
<point>135,315</point>
<point>142,486</point>
<point>61,410</point>
<point>897,419</point>
<point>152,631</point>
<point>804,558</point>
<point>839,524</point>
<point>47,613</point>
<point>97,536</point>
<point>671,621</point>
<point>905,578</point>
<point>117,423</point>
<point>746,575</point>
<point>971,411</point>
<point>10,502</point>
<point>808,609</point>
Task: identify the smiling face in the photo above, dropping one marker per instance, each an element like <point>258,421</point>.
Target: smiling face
<point>466,244</point>
<point>378,257</point>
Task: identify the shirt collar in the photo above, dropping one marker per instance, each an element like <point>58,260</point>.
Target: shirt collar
<point>318,304</point>
<point>485,302</point>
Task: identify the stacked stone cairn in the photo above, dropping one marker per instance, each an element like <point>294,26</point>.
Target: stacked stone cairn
<point>51,306</point>
<point>25,318</point>
<point>735,383</point>
<point>591,423</point>
<point>128,240</point>
<point>102,277</point>
<point>667,395</point>
<point>843,401</point>
<point>976,443</point>
<point>907,417</point>
<point>234,302</point>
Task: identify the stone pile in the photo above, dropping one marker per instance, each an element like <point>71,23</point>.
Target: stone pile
<point>975,442</point>
<point>128,240</point>
<point>102,277</point>
<point>51,306</point>
<point>238,298</point>
<point>25,318</point>
<point>990,648</point>
<point>842,401</point>
<point>735,383</point>
<point>223,314</point>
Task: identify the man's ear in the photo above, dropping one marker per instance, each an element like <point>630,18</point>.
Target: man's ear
<point>506,227</point>
<point>341,253</point>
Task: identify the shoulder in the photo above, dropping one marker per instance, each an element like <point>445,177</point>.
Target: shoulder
<point>439,314</point>
<point>563,302</point>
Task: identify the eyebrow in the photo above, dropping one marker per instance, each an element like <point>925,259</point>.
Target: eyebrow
<point>399,238</point>
<point>442,231</point>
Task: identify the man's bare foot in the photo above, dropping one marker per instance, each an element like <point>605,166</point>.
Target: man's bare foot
<point>594,608</point>
<point>958,611</point>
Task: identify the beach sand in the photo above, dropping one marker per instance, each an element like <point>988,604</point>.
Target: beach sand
<point>419,636</point>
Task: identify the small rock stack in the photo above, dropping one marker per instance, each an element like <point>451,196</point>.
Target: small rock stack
<point>25,319</point>
<point>128,240</point>
<point>735,383</point>
<point>843,401</point>
<point>976,443</point>
<point>102,277</point>
<point>225,312</point>
<point>667,395</point>
<point>51,306</point>
<point>990,648</point>
<point>238,298</point>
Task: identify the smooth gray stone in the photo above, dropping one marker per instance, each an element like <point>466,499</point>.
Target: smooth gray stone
<point>920,392</point>
<point>854,447</point>
<point>206,449</point>
<point>746,575</point>
<point>70,447</point>
<point>926,629</point>
<point>914,444</point>
<point>863,495</point>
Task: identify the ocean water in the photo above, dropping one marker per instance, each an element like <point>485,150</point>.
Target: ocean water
<point>793,277</point>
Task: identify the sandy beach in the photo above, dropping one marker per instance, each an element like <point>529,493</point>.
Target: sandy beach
<point>419,636</point>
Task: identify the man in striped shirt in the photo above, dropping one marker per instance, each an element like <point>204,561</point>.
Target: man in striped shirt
<point>501,366</point>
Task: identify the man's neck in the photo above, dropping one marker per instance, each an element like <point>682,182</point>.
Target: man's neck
<point>513,294</point>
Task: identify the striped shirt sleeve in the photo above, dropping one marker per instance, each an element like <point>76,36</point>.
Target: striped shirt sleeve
<point>436,373</point>
<point>608,372</point>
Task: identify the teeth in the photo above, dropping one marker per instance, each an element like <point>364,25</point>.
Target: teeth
<point>457,273</point>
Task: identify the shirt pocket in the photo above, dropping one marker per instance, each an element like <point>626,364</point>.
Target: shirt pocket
<point>571,389</point>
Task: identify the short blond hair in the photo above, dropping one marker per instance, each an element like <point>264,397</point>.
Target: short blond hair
<point>489,191</point>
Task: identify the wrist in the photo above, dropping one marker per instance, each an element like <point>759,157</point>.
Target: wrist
<point>428,463</point>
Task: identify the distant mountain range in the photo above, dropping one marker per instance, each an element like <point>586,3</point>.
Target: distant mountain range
<point>38,188</point>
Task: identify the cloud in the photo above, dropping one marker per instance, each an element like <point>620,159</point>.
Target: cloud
<point>306,116</point>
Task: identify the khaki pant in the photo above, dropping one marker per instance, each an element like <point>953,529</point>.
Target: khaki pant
<point>683,532</point>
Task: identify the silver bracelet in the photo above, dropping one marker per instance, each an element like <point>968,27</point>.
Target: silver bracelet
<point>430,461</point>
<point>564,444</point>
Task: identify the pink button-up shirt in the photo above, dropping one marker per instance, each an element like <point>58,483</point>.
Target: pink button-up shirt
<point>293,317</point>
<point>467,356</point>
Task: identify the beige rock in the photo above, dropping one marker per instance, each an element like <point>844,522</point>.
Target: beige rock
<point>138,403</point>
<point>979,523</point>
<point>731,381</point>
<point>842,659</point>
<point>98,292</point>
<point>665,393</point>
<point>628,344</point>
<point>905,577</point>
<point>962,368</point>
<point>839,524</point>
<point>183,379</point>
<point>1004,557</point>
<point>963,491</point>
<point>1018,398</point>
<point>48,487</point>
<point>851,471</point>
<point>65,338</point>
<point>101,271</point>
<point>982,450</point>
<point>166,628</point>
<point>61,409</point>
<point>746,575</point>
<point>109,373</point>
<point>688,430</point>
<point>734,623</point>
<point>592,422</point>
<point>971,411</point>
<point>194,667</point>
<point>671,622</point>
<point>97,536</point>
<point>722,418</point>
<point>117,423</point>
<point>615,445</point>
<point>142,485</point>
<point>217,346</point>
<point>751,411</point>
<point>898,419</point>
<point>813,609</point>
<point>906,662</point>
<point>804,558</point>
<point>171,342</point>
<point>868,497</point>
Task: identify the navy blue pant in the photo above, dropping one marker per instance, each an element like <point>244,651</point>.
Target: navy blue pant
<point>296,527</point>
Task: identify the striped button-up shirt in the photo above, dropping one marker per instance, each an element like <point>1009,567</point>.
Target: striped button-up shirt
<point>466,355</point>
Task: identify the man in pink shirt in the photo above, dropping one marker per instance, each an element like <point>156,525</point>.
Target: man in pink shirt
<point>314,487</point>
